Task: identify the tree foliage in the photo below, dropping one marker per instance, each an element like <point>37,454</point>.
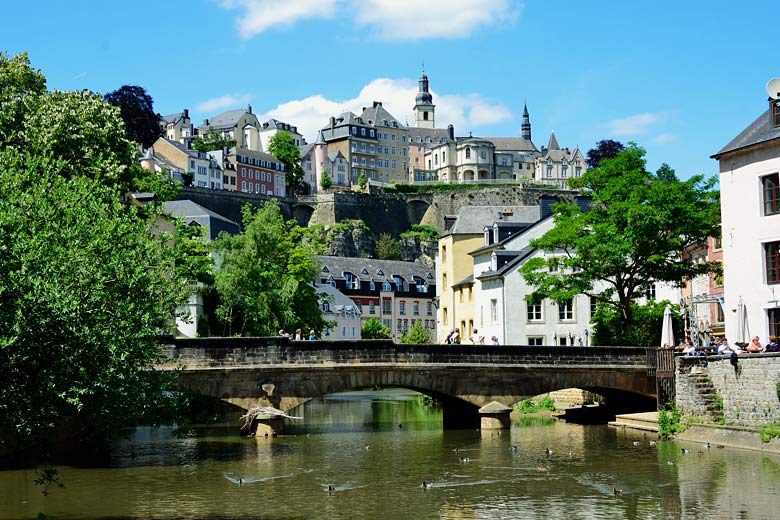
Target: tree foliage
<point>417,335</point>
<point>212,140</point>
<point>325,182</point>
<point>362,180</point>
<point>20,87</point>
<point>604,149</point>
<point>388,248</point>
<point>264,278</point>
<point>86,286</point>
<point>283,147</point>
<point>142,123</point>
<point>631,237</point>
<point>646,329</point>
<point>161,184</point>
<point>373,329</point>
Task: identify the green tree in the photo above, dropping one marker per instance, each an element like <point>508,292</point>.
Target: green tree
<point>87,286</point>
<point>325,182</point>
<point>283,147</point>
<point>373,329</point>
<point>646,329</point>
<point>388,248</point>
<point>161,184</point>
<point>362,180</point>
<point>20,88</point>
<point>264,278</point>
<point>417,335</point>
<point>192,259</point>
<point>212,140</point>
<point>136,107</point>
<point>631,237</point>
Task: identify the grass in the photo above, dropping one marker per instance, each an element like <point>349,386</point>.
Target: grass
<point>529,406</point>
<point>769,431</point>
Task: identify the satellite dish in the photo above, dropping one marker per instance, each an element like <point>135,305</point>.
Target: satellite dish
<point>773,88</point>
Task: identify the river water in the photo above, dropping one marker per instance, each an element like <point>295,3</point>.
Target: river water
<point>376,448</point>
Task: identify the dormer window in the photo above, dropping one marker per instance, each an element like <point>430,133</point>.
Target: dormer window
<point>776,114</point>
<point>386,286</point>
<point>331,281</point>
<point>468,153</point>
<point>494,262</point>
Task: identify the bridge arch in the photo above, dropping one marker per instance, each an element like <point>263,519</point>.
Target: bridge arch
<point>303,213</point>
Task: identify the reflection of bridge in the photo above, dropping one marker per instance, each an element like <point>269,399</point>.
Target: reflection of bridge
<point>285,374</point>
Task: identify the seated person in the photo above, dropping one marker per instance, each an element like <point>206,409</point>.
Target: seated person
<point>689,349</point>
<point>755,346</point>
<point>773,345</point>
<point>725,349</point>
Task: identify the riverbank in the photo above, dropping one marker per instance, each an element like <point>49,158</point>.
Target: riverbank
<point>728,436</point>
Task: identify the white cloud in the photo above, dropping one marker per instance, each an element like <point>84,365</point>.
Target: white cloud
<point>465,112</point>
<point>664,138</point>
<point>260,15</point>
<point>633,125</point>
<point>221,102</point>
<point>391,19</point>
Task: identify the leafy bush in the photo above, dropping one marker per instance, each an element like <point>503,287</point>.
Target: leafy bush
<point>373,329</point>
<point>645,330</point>
<point>669,421</point>
<point>530,406</point>
<point>422,231</point>
<point>417,335</point>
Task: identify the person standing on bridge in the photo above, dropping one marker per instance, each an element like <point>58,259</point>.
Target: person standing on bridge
<point>455,338</point>
<point>477,339</point>
<point>312,337</point>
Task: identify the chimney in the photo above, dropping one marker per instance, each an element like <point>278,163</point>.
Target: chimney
<point>377,104</point>
<point>451,132</point>
<point>332,122</point>
<point>249,108</point>
<point>206,122</point>
<point>186,113</point>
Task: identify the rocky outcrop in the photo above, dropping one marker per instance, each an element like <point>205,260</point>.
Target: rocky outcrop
<point>419,249</point>
<point>350,239</point>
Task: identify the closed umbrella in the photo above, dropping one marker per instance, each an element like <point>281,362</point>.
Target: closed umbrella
<point>743,332</point>
<point>667,334</point>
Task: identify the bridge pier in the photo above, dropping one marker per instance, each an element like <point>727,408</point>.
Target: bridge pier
<point>495,416</point>
<point>265,426</point>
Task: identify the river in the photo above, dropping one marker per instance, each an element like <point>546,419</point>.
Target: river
<point>375,448</point>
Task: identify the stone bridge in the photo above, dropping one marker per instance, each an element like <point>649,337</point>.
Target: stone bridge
<point>285,374</point>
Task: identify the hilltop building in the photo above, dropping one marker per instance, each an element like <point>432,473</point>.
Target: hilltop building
<point>554,165</point>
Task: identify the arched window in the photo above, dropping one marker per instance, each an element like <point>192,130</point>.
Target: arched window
<point>468,153</point>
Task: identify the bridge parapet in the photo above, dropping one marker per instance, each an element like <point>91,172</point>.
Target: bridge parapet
<point>235,352</point>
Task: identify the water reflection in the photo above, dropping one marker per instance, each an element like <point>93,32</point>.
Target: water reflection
<point>365,455</point>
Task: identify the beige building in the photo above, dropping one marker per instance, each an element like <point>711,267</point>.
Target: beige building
<point>315,159</point>
<point>240,125</point>
<point>556,166</point>
<point>272,127</point>
<point>183,163</point>
<point>392,147</point>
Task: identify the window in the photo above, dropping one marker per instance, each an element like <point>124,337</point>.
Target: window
<point>503,161</point>
<point>566,310</point>
<point>386,286</point>
<point>772,259</point>
<point>429,310</point>
<point>371,307</point>
<point>564,169</point>
<point>494,311</point>
<point>402,308</point>
<point>392,150</point>
<point>774,322</point>
<point>482,154</point>
<point>534,311</point>
<point>535,341</point>
<point>243,185</point>
<point>386,306</point>
<point>444,315</point>
<point>577,171</point>
<point>416,308</point>
<point>443,253</point>
<point>354,131</point>
<point>549,170</point>
<point>363,147</point>
<point>771,189</point>
<point>372,148</point>
<point>468,153</point>
<point>371,133</point>
<point>776,114</point>
<point>354,147</point>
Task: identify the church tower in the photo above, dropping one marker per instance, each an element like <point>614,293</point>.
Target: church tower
<point>424,107</point>
<point>526,126</point>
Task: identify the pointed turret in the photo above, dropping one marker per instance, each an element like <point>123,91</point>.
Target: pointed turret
<point>553,144</point>
<point>320,138</point>
<point>525,128</point>
<point>423,106</point>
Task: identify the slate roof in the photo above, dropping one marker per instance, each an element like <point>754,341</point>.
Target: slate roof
<point>339,300</point>
<point>369,269</point>
<point>512,144</point>
<point>172,118</point>
<point>553,143</point>
<point>473,219</point>
<point>377,114</point>
<point>226,119</point>
<point>759,131</point>
<point>469,280</point>
<point>190,211</point>
<point>512,259</point>
<point>334,155</point>
<point>306,149</point>
<point>345,118</point>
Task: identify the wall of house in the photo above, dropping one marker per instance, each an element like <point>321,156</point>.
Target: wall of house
<point>744,230</point>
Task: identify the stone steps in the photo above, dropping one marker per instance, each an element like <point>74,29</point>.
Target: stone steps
<point>647,421</point>
<point>707,393</point>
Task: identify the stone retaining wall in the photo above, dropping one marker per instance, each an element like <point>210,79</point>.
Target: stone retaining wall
<point>749,391</point>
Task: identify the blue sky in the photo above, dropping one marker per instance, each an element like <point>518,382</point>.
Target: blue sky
<point>679,78</point>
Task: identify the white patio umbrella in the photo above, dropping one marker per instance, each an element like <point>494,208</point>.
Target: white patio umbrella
<point>743,332</point>
<point>667,334</point>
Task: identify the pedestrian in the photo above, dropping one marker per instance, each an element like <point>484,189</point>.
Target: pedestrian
<point>448,339</point>
<point>494,341</point>
<point>298,335</point>
<point>312,337</point>
<point>476,339</point>
<point>455,338</point>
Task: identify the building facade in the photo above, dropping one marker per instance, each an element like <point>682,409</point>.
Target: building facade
<point>750,221</point>
<point>341,311</point>
<point>556,166</point>
<point>396,293</point>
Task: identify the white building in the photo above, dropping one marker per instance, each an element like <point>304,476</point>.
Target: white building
<point>750,220</point>
<point>556,166</point>
<point>338,308</point>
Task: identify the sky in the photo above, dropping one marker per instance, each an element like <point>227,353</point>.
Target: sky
<point>680,79</point>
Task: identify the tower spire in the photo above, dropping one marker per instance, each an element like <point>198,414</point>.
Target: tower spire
<point>525,127</point>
